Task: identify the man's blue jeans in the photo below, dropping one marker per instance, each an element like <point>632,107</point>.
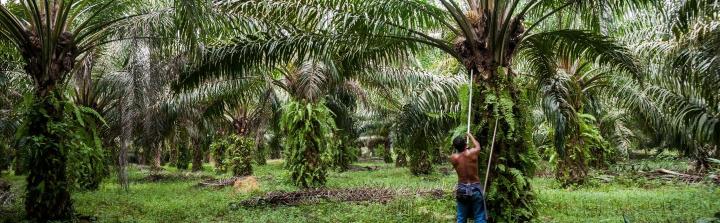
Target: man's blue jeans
<point>470,203</point>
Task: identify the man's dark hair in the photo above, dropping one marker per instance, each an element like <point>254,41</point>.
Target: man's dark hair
<point>459,144</point>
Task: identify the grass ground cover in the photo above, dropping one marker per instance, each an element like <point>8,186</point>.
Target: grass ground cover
<point>180,201</point>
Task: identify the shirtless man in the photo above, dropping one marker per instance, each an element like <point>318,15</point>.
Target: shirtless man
<point>468,192</point>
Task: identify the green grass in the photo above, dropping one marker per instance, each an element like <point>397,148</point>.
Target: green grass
<point>609,202</point>
<point>180,201</point>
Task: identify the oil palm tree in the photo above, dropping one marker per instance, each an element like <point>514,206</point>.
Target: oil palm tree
<point>306,122</point>
<point>52,36</point>
<point>424,120</point>
<point>568,97</point>
<point>372,125</point>
<point>413,108</point>
<point>247,106</point>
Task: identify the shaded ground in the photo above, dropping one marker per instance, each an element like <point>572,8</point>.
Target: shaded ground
<point>639,199</point>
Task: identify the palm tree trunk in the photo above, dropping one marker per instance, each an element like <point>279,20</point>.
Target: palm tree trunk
<point>19,164</point>
<point>197,156</point>
<point>343,157</point>
<point>702,164</point>
<point>571,167</point>
<point>183,154</point>
<point>420,160</point>
<point>511,197</point>
<point>371,150</point>
<point>5,159</point>
<point>401,159</point>
<point>157,157</point>
<point>122,164</point>
<point>261,149</point>
<point>47,195</point>
<point>48,198</point>
<point>275,148</point>
<point>141,156</point>
<point>240,155</point>
<point>438,157</point>
<point>387,155</point>
<point>125,141</point>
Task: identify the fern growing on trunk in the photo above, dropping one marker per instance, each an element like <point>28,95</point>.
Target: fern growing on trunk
<point>307,128</point>
<point>218,149</point>
<point>509,196</point>
<point>240,155</point>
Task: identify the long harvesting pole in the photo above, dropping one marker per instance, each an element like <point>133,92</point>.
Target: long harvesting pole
<point>492,147</point>
<point>470,105</point>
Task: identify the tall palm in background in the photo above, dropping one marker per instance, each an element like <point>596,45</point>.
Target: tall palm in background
<point>157,43</point>
<point>16,87</point>
<point>242,108</point>
<point>568,98</point>
<point>418,109</point>
<point>678,104</point>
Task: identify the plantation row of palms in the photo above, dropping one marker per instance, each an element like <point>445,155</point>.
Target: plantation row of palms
<point>90,86</point>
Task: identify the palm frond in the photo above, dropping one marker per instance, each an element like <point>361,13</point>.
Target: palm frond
<point>577,43</point>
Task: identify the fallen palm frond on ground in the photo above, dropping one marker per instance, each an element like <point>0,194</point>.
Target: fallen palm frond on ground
<point>370,160</point>
<point>242,184</point>
<point>309,196</point>
<point>688,178</point>
<point>218,183</point>
<point>661,175</point>
<point>167,176</point>
<point>364,168</point>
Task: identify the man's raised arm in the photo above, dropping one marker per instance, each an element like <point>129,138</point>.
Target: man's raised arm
<point>476,144</point>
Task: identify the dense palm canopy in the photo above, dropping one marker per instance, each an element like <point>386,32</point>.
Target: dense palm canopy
<point>483,36</point>
<point>579,84</point>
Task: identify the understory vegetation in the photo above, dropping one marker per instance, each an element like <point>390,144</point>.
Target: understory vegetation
<point>184,110</point>
<point>635,198</point>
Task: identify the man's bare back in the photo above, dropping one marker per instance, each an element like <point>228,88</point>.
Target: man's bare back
<point>465,163</point>
<point>468,192</point>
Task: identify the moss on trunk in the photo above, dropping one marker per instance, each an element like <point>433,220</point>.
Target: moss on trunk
<point>240,155</point>
<point>307,128</point>
<point>47,197</point>
<point>420,160</point>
